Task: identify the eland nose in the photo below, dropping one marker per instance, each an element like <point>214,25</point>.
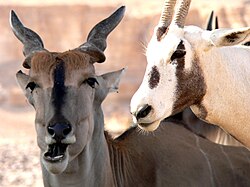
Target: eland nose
<point>59,131</point>
<point>143,112</point>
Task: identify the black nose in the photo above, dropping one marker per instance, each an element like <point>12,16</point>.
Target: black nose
<point>59,131</point>
<point>143,112</point>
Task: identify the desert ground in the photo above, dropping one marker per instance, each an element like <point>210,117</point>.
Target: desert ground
<point>64,25</point>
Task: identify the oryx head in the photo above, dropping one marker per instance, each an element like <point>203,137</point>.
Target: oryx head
<point>62,87</point>
<point>174,78</point>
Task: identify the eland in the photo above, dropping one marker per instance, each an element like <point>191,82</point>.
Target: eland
<point>188,66</point>
<point>74,148</point>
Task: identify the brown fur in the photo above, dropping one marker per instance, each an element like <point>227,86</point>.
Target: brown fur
<point>191,82</point>
<point>159,159</point>
<point>45,61</point>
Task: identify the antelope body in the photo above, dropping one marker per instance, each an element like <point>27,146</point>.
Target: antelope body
<point>189,66</point>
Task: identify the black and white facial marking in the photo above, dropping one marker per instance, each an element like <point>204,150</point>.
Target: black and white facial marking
<point>190,85</point>
<point>178,57</point>
<point>59,90</point>
<point>154,77</point>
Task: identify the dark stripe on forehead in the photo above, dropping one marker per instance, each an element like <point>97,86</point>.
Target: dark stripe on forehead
<point>58,91</point>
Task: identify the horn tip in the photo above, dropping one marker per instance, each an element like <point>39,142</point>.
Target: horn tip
<point>13,15</point>
<point>14,20</point>
<point>123,7</point>
<point>121,10</point>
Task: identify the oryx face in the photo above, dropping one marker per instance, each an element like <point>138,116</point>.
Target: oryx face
<point>60,86</point>
<point>162,92</point>
<point>172,72</point>
<point>179,67</point>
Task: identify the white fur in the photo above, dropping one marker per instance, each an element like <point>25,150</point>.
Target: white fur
<point>157,57</point>
<point>226,71</point>
<point>228,86</point>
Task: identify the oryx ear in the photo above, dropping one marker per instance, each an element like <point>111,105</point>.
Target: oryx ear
<point>229,37</point>
<point>22,79</point>
<point>112,79</point>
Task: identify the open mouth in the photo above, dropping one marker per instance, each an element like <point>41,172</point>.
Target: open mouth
<point>56,152</point>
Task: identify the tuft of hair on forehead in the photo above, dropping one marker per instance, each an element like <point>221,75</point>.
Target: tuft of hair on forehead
<point>45,61</point>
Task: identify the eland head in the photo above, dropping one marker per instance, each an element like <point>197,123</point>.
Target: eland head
<point>61,88</point>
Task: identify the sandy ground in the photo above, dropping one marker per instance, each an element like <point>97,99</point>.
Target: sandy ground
<point>19,154</point>
<point>20,165</point>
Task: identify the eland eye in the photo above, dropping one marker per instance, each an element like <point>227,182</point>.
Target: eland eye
<point>91,82</point>
<point>178,54</point>
<point>31,86</point>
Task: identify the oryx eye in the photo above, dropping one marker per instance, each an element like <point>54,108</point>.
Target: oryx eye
<point>91,82</point>
<point>31,86</point>
<point>178,54</point>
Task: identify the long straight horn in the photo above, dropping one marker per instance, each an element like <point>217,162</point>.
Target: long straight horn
<point>167,13</point>
<point>182,12</point>
<point>96,41</point>
<point>166,17</point>
<point>31,40</point>
<point>210,22</point>
<point>216,23</point>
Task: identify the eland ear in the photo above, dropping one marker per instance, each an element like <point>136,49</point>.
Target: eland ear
<point>229,37</point>
<point>112,79</point>
<point>22,79</point>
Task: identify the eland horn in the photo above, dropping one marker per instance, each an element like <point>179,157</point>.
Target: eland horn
<point>96,41</point>
<point>31,41</point>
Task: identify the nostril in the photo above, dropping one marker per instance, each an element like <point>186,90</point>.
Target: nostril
<point>59,131</point>
<point>144,111</point>
<point>67,130</point>
<point>51,131</point>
